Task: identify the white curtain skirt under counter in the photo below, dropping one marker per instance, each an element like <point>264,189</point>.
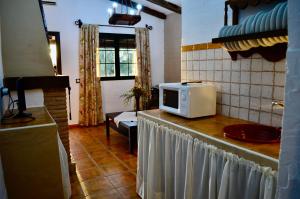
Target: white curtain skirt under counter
<point>173,165</point>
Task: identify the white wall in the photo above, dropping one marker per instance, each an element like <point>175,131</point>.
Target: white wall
<point>61,18</point>
<point>172,47</point>
<point>25,49</point>
<point>201,20</point>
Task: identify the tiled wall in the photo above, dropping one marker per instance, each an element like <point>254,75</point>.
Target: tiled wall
<point>245,88</point>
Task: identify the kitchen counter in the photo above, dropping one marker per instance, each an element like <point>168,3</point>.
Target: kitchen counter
<point>210,130</point>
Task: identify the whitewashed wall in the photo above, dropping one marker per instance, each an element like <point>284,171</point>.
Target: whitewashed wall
<point>61,18</point>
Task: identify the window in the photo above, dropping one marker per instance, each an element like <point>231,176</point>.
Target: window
<point>54,45</point>
<point>117,56</point>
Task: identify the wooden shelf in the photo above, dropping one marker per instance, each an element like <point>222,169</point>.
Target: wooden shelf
<point>259,35</point>
<point>242,4</point>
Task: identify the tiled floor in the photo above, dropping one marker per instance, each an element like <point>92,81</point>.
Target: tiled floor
<point>105,168</point>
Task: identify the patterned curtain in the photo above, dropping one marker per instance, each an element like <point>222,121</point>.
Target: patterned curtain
<point>143,76</point>
<point>90,105</point>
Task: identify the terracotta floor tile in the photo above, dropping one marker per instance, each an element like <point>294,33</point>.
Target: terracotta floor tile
<point>90,173</point>
<point>124,179</point>
<point>108,160</point>
<point>85,163</point>
<point>128,192</point>
<point>96,185</point>
<point>110,194</point>
<point>105,168</point>
<point>113,169</point>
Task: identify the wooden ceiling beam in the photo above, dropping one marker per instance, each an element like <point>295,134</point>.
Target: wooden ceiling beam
<point>145,9</point>
<point>165,4</point>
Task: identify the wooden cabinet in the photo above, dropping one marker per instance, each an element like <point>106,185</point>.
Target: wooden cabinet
<point>31,158</point>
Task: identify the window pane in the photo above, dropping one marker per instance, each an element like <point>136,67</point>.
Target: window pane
<point>110,70</point>
<point>132,69</point>
<point>132,56</point>
<point>123,69</point>
<point>102,70</point>
<point>102,56</point>
<point>123,56</point>
<point>110,56</point>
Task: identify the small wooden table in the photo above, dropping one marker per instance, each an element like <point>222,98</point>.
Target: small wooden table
<point>126,128</point>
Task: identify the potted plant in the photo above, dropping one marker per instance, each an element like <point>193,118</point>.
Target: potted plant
<point>136,92</point>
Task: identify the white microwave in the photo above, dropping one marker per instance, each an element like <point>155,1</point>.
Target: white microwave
<point>189,100</point>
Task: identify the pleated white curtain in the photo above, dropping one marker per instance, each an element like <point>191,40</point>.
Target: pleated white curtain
<point>173,165</point>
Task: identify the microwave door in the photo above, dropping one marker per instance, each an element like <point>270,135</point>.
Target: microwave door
<point>171,99</point>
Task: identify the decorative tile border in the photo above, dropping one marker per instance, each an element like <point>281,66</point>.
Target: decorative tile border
<point>202,46</point>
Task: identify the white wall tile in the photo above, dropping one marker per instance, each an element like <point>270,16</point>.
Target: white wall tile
<point>203,75</point>
<point>210,54</point>
<point>218,64</point>
<point>243,113</point>
<point>278,110</point>
<point>276,120</point>
<point>226,99</point>
<point>234,112</point>
<point>196,75</point>
<point>235,100</point>
<point>253,116</point>
<point>196,55</point>
<point>219,98</point>
<point>226,88</point>
<point>281,65</point>
<point>226,76</point>
<point>245,89</point>
<point>244,102</point>
<point>183,56</point>
<point>196,65</point>
<point>255,91</point>
<point>245,77</point>
<point>235,76</point>
<point>267,91</point>
<point>226,64</point>
<point>225,110</point>
<point>189,65</point>
<point>279,79</point>
<point>236,65</point>
<point>226,55</point>
<point>254,103</point>
<point>235,89</point>
<point>210,65</point>
<point>190,56</point>
<point>203,54</point>
<point>218,75</point>
<point>183,74</point>
<point>266,105</point>
<point>245,64</point>
<point>183,65</point>
<point>278,93</point>
<point>210,76</point>
<point>190,75</point>
<point>256,65</point>
<point>265,118</point>
<point>268,66</point>
<point>203,65</point>
<point>267,78</point>
<point>255,77</point>
<point>219,53</point>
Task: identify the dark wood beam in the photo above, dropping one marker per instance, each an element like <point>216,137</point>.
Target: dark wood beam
<point>145,9</point>
<point>165,4</point>
<point>49,3</point>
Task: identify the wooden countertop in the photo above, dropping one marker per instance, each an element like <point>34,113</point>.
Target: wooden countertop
<point>210,130</point>
<point>40,113</point>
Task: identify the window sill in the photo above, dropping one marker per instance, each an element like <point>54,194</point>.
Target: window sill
<point>117,78</point>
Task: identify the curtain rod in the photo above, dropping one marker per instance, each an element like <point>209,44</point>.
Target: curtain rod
<point>79,24</point>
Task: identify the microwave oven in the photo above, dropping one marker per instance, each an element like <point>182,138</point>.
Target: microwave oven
<point>188,100</point>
